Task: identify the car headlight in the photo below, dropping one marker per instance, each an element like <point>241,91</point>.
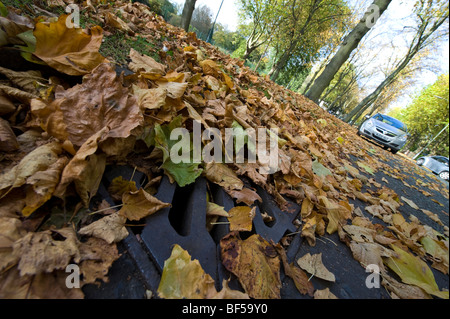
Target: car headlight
<point>403,138</point>
<point>369,123</point>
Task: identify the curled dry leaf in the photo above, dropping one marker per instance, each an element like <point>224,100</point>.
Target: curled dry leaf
<point>246,196</point>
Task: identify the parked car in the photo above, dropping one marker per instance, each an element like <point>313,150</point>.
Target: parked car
<point>385,130</point>
<point>437,164</point>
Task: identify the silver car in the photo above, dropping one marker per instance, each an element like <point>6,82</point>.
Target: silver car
<point>385,130</point>
<point>437,164</point>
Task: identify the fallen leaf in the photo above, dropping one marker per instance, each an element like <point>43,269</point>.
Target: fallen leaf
<point>68,50</point>
<point>301,280</point>
<point>39,252</point>
<point>222,175</point>
<point>120,186</point>
<point>37,160</point>
<point>183,278</point>
<point>412,270</point>
<point>8,141</point>
<point>110,228</point>
<point>97,257</point>
<point>246,196</point>
<point>140,204</point>
<point>144,64</point>
<point>324,294</point>
<point>241,218</point>
<point>410,203</point>
<point>255,262</point>
<point>313,264</point>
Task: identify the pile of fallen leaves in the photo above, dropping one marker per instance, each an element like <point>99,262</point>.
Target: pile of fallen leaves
<point>67,112</point>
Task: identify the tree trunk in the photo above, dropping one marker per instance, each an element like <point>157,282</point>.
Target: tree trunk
<point>349,44</point>
<point>188,9</point>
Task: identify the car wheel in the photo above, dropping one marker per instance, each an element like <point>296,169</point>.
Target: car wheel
<point>444,175</point>
<point>394,151</point>
<point>420,161</point>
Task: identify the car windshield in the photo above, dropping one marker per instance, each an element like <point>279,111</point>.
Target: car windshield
<point>391,121</point>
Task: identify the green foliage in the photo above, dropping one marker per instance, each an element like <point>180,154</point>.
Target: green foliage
<point>426,116</point>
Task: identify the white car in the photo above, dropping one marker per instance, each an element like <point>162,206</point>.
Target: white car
<point>385,130</point>
<point>437,164</point>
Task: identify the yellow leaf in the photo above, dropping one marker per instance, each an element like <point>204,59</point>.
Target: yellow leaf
<point>68,50</point>
<point>314,265</point>
<point>412,270</point>
<point>241,218</point>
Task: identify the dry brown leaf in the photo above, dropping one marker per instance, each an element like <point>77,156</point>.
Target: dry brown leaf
<point>313,264</point>
<point>246,196</point>
<point>8,140</point>
<point>37,160</point>
<point>39,252</point>
<point>410,203</point>
<point>6,106</point>
<point>110,228</point>
<point>145,64</point>
<point>140,204</point>
<point>151,99</point>
<point>222,175</point>
<point>100,101</point>
<point>324,294</point>
<point>301,280</point>
<point>42,184</point>
<point>96,256</point>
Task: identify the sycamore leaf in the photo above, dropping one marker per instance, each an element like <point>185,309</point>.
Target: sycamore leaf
<point>68,50</point>
<point>110,228</point>
<point>314,265</point>
<point>241,218</point>
<point>255,262</point>
<point>412,270</point>
<point>140,204</point>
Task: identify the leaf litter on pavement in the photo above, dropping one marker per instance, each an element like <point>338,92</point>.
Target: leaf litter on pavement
<point>60,130</point>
